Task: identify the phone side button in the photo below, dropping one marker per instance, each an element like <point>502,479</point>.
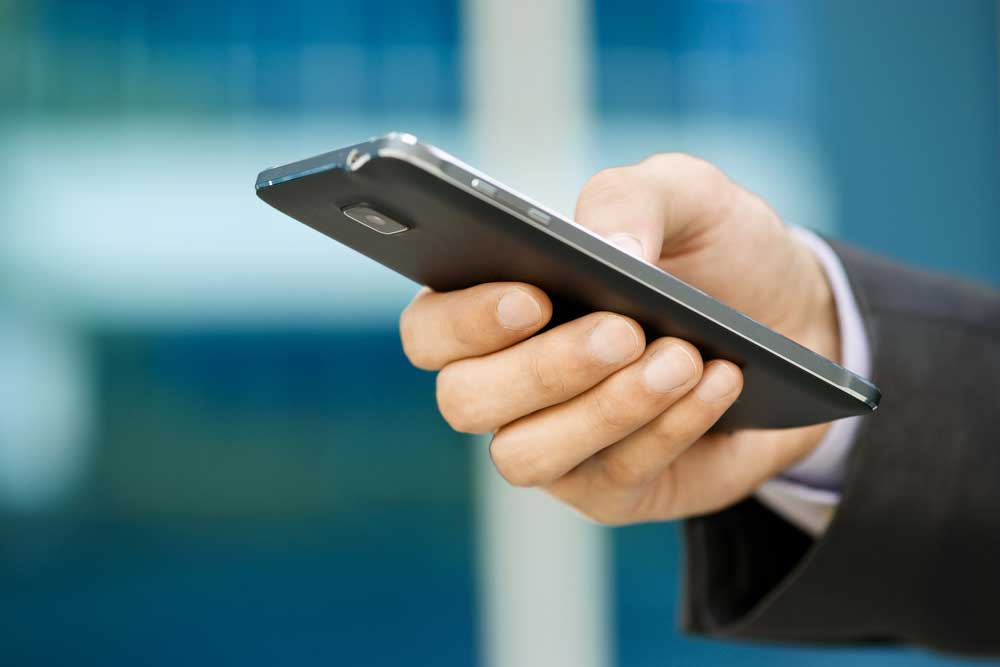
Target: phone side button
<point>483,187</point>
<point>541,217</point>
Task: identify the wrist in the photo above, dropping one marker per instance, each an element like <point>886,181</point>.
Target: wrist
<point>820,327</point>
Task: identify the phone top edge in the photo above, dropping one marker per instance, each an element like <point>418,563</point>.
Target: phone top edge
<point>406,147</point>
<point>334,159</point>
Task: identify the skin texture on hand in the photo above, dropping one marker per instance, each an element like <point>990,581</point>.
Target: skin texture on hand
<point>592,412</point>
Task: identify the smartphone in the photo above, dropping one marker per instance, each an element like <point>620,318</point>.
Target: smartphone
<point>423,213</point>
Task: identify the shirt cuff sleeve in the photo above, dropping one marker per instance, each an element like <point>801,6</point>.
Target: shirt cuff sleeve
<point>807,493</point>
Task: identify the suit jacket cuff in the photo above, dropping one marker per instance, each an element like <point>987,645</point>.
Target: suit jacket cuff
<point>915,538</point>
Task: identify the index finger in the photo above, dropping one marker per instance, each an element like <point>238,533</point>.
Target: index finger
<point>440,327</point>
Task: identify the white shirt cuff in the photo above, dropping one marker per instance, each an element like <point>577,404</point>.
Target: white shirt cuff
<point>807,493</point>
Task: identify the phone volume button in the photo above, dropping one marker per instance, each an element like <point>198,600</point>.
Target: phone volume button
<point>540,216</point>
<point>484,187</point>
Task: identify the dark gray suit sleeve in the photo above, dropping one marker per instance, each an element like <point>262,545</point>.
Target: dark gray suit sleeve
<point>913,552</point>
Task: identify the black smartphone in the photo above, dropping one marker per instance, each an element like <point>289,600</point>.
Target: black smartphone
<point>423,213</point>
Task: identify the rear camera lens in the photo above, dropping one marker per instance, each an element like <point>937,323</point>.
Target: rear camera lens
<point>374,219</point>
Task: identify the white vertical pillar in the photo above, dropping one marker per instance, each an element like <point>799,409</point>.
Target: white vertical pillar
<point>542,568</point>
<point>45,414</point>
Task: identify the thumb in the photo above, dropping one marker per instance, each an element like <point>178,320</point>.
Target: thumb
<point>653,208</point>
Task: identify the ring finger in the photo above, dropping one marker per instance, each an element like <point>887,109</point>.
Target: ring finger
<point>635,464</point>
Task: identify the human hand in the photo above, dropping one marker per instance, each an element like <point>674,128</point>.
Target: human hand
<point>587,410</point>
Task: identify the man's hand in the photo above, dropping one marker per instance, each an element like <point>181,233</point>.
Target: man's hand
<point>592,412</point>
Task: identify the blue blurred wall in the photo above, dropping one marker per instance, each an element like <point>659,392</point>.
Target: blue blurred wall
<point>911,127</point>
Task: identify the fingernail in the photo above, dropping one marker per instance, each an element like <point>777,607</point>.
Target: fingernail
<point>627,243</point>
<point>668,369</point>
<point>613,340</point>
<point>718,382</point>
<point>518,310</point>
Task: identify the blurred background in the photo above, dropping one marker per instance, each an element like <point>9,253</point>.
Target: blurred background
<point>211,447</point>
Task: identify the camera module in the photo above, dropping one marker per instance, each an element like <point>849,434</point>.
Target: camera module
<point>374,220</point>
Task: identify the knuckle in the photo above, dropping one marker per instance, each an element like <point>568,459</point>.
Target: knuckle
<point>547,376</point>
<point>675,432</point>
<point>668,432</point>
<point>456,401</point>
<point>662,502</point>
<point>607,412</point>
<point>622,471</point>
<point>605,184</point>
<point>513,465</point>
